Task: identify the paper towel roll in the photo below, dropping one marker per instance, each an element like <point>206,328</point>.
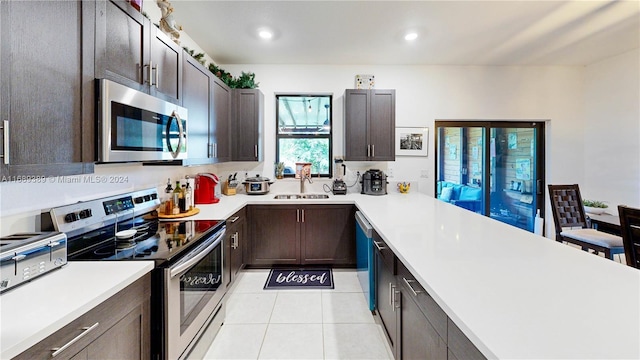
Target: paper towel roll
<point>538,224</point>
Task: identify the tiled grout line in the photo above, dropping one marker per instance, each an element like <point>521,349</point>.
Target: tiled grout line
<point>322,305</point>
<point>324,351</point>
<point>264,336</point>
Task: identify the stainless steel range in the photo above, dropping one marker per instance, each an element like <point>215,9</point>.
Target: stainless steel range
<point>187,286</point>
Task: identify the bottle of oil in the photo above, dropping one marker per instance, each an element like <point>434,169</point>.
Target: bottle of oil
<point>176,199</point>
<point>168,199</point>
<point>182,199</point>
<point>188,196</point>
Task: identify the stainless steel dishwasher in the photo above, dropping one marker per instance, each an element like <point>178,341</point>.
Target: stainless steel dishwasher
<point>364,258</point>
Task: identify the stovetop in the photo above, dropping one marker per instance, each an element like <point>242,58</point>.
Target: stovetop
<point>91,227</point>
<point>154,240</point>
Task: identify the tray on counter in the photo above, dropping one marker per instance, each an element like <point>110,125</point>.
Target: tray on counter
<point>191,212</point>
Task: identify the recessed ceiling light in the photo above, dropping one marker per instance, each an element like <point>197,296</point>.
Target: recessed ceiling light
<point>411,36</point>
<point>265,34</point>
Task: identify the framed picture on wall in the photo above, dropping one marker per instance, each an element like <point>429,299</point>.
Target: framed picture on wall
<point>412,141</point>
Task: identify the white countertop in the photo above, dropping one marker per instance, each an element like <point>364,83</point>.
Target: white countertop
<point>513,293</point>
<point>31,312</point>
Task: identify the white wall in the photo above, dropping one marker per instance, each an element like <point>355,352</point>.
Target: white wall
<point>424,93</point>
<point>427,93</point>
<point>611,152</point>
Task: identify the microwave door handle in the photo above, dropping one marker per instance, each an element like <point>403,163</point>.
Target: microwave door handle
<point>176,152</point>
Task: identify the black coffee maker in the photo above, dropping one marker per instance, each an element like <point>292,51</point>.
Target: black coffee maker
<point>374,182</point>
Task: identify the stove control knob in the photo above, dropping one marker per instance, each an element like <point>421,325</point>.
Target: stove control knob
<point>71,217</point>
<point>85,213</point>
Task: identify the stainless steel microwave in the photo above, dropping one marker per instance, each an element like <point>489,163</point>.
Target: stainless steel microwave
<point>134,126</point>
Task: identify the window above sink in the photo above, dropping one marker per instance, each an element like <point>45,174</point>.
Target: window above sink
<point>303,132</point>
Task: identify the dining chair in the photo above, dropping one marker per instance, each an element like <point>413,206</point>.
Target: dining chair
<point>630,228</point>
<point>571,224</point>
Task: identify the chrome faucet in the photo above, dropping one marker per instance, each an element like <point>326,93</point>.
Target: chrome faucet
<point>304,176</point>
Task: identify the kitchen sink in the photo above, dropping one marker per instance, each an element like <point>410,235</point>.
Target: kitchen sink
<point>301,196</point>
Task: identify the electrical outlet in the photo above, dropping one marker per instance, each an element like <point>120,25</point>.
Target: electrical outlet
<point>424,174</point>
<point>390,172</point>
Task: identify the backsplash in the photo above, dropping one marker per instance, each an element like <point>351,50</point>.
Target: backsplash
<point>22,202</point>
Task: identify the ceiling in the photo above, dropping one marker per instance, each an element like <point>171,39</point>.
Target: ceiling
<point>449,32</point>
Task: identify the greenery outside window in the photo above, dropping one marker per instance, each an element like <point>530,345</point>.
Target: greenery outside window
<point>303,132</point>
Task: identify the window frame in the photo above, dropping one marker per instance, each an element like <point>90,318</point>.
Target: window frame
<point>328,135</point>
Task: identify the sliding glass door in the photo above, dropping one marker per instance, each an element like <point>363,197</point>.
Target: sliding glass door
<point>493,168</point>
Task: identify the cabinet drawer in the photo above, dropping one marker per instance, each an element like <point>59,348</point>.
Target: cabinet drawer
<point>385,252</point>
<point>425,302</point>
<point>84,329</point>
<point>460,346</point>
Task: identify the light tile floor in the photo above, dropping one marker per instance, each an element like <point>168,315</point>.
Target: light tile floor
<point>298,324</point>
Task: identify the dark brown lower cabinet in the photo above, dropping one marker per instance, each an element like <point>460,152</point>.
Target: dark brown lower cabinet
<point>301,235</point>
<point>387,294</point>
<point>328,235</point>
<point>415,325</point>
<point>234,246</point>
<point>418,340</point>
<point>275,235</point>
<point>118,328</point>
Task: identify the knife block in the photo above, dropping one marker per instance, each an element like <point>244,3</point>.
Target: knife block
<point>228,190</point>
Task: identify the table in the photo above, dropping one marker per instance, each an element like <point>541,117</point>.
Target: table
<point>606,223</point>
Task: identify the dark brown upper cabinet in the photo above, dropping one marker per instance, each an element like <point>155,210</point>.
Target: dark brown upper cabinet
<point>221,131</point>
<point>208,101</point>
<point>46,88</point>
<point>132,51</point>
<point>370,121</point>
<point>247,125</point>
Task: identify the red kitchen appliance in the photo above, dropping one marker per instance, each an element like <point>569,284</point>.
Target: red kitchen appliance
<point>205,192</point>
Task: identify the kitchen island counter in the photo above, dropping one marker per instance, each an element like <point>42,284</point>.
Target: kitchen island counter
<point>35,310</point>
<point>514,294</point>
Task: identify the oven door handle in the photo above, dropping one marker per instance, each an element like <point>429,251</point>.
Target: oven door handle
<point>196,255</point>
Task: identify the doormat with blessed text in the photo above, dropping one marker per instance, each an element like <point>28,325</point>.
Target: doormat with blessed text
<point>280,279</point>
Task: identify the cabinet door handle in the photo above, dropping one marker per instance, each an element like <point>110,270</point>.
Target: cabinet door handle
<point>255,150</point>
<point>297,215</point>
<point>234,219</point>
<point>85,331</point>
<point>368,150</point>
<point>390,293</point>
<point>237,239</point>
<point>393,297</point>
<point>373,151</point>
<point>215,150</point>
<point>396,304</point>
<point>409,282</point>
<point>157,71</point>
<point>234,240</point>
<point>378,246</point>
<point>5,141</point>
<point>149,73</point>
<point>302,215</point>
